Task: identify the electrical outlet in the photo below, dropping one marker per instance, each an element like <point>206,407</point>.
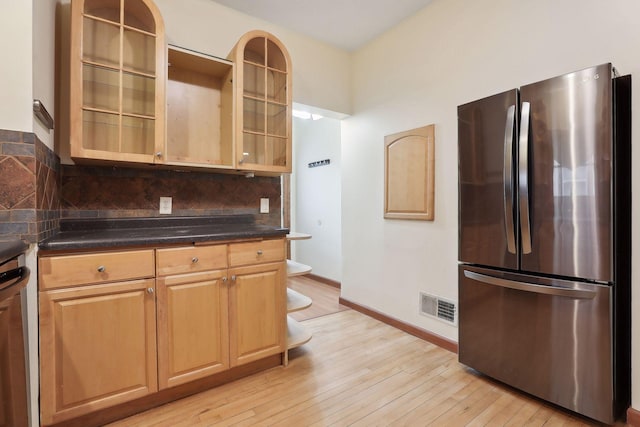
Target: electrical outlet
<point>264,205</point>
<point>165,205</point>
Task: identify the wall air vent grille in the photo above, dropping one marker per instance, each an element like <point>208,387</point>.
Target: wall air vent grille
<point>440,308</point>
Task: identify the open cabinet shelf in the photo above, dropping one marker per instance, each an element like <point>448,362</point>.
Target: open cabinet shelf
<point>296,301</point>
<point>297,334</point>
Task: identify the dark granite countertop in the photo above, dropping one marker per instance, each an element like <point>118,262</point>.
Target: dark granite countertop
<point>11,249</point>
<point>108,233</point>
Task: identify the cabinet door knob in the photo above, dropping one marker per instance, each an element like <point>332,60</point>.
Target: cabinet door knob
<point>233,278</point>
<point>159,154</point>
<point>259,251</point>
<point>194,259</point>
<point>150,291</point>
<point>102,269</point>
<point>224,279</point>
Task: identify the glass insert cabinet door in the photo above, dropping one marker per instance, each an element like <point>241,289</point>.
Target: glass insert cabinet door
<point>117,79</point>
<point>263,102</point>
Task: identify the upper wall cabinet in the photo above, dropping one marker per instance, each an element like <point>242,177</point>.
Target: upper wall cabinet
<point>263,103</point>
<point>199,110</point>
<point>117,76</point>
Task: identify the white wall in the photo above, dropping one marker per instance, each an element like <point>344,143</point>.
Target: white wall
<point>315,198</point>
<point>43,78</point>
<point>455,51</point>
<point>15,73</point>
<point>320,72</point>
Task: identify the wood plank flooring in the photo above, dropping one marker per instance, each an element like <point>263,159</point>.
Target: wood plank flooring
<point>357,371</point>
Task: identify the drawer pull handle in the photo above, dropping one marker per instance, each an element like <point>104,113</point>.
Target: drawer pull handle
<point>102,269</point>
<point>150,291</point>
<point>259,251</point>
<point>194,259</point>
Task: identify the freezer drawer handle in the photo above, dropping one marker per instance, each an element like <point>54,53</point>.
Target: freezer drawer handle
<point>523,179</point>
<point>508,179</point>
<point>528,287</point>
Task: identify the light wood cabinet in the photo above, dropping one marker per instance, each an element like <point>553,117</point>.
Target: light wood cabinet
<point>263,103</point>
<point>134,99</point>
<point>199,110</point>
<point>193,327</point>
<point>83,269</point>
<point>97,346</point>
<point>117,81</point>
<point>193,317</point>
<point>257,313</point>
<point>200,310</point>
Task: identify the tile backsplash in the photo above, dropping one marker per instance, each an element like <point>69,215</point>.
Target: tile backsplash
<point>115,192</point>
<point>36,191</point>
<point>29,173</point>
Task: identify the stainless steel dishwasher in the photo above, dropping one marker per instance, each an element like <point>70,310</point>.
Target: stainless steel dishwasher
<point>13,378</point>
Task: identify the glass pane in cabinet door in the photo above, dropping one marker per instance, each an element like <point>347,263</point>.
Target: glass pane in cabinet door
<point>139,52</point>
<point>100,88</point>
<point>138,15</point>
<point>253,80</point>
<point>100,131</point>
<point>254,51</point>
<point>137,135</point>
<point>253,115</point>
<point>277,86</point>
<point>101,42</point>
<point>105,9</point>
<point>275,57</point>
<point>277,119</point>
<point>138,94</point>
<point>252,148</point>
<point>277,148</point>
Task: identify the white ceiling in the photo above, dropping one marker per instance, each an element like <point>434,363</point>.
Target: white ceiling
<point>347,24</point>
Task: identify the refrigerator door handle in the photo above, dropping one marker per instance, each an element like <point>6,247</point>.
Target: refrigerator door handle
<point>508,179</point>
<point>530,287</point>
<point>523,179</point>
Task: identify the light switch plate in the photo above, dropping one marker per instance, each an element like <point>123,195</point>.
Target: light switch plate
<point>264,205</point>
<point>165,205</point>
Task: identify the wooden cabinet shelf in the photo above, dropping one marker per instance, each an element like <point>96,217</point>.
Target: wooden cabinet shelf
<point>297,334</point>
<point>199,109</point>
<point>298,236</point>
<point>297,269</point>
<point>296,301</point>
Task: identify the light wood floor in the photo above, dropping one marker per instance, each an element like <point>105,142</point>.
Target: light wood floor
<point>357,371</point>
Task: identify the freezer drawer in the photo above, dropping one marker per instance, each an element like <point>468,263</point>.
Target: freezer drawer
<point>550,338</point>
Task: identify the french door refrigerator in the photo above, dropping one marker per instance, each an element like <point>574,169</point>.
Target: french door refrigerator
<point>544,239</point>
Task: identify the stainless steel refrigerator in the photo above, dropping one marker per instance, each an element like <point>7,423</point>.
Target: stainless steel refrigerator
<point>544,239</point>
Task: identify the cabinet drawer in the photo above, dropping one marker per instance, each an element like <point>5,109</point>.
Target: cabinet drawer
<point>72,270</point>
<point>256,252</point>
<point>190,259</point>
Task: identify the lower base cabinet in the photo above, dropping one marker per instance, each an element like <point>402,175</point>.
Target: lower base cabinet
<point>193,327</point>
<point>104,344</point>
<point>97,347</point>
<point>257,311</point>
